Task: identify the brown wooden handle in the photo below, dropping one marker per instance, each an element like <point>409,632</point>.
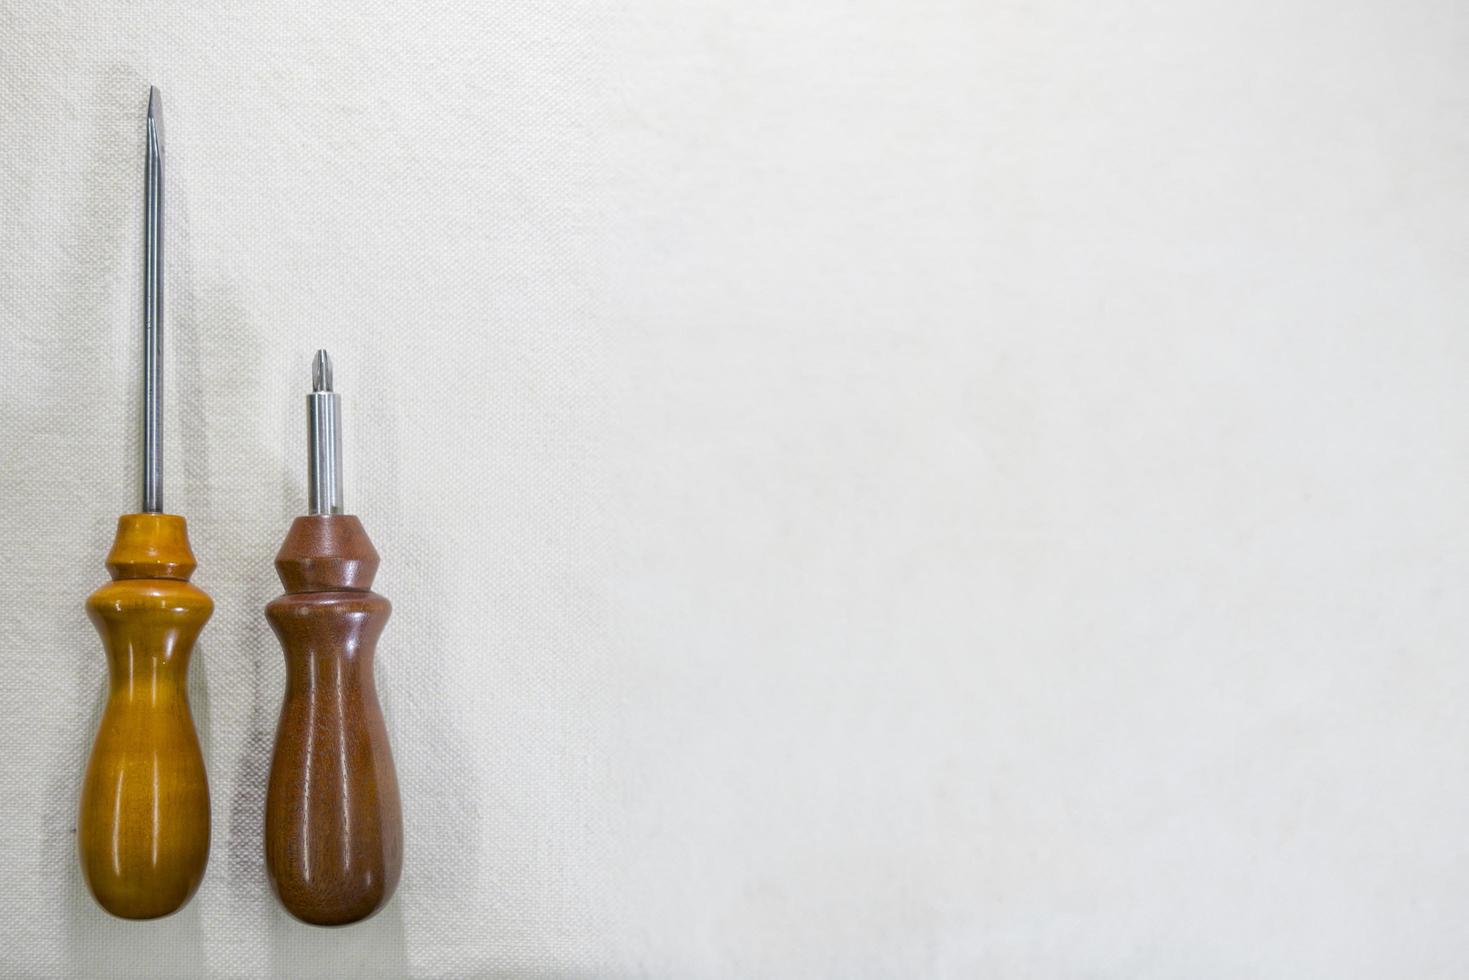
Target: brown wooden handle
<point>143,828</point>
<point>333,825</point>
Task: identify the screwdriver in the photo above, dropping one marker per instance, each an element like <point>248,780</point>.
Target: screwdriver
<point>143,828</point>
<point>333,824</point>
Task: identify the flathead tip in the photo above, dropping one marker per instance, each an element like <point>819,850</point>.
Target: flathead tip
<point>155,121</point>
<point>321,372</point>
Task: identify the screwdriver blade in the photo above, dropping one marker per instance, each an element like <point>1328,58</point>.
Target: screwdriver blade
<point>153,309</point>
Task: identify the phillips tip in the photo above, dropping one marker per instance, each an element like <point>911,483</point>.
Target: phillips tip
<point>321,372</point>
<point>323,440</point>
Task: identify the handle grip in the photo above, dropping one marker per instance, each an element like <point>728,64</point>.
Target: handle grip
<point>143,827</point>
<point>333,823</point>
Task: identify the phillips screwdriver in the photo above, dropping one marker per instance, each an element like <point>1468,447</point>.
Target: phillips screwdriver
<point>333,824</point>
<point>143,829</point>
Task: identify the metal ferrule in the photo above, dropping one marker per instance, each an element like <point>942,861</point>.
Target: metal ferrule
<point>324,443</point>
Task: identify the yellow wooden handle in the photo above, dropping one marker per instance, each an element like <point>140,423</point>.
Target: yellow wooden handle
<point>143,830</point>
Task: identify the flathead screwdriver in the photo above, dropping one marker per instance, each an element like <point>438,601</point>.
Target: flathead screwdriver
<point>143,828</point>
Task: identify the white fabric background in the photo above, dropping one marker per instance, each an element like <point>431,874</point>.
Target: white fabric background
<point>868,489</point>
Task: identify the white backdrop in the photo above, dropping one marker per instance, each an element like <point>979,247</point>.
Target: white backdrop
<point>876,489</point>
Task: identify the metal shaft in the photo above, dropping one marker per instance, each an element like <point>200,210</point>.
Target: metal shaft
<point>324,440</point>
<point>153,310</point>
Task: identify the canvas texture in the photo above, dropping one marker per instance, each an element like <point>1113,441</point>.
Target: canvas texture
<point>867,489</point>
